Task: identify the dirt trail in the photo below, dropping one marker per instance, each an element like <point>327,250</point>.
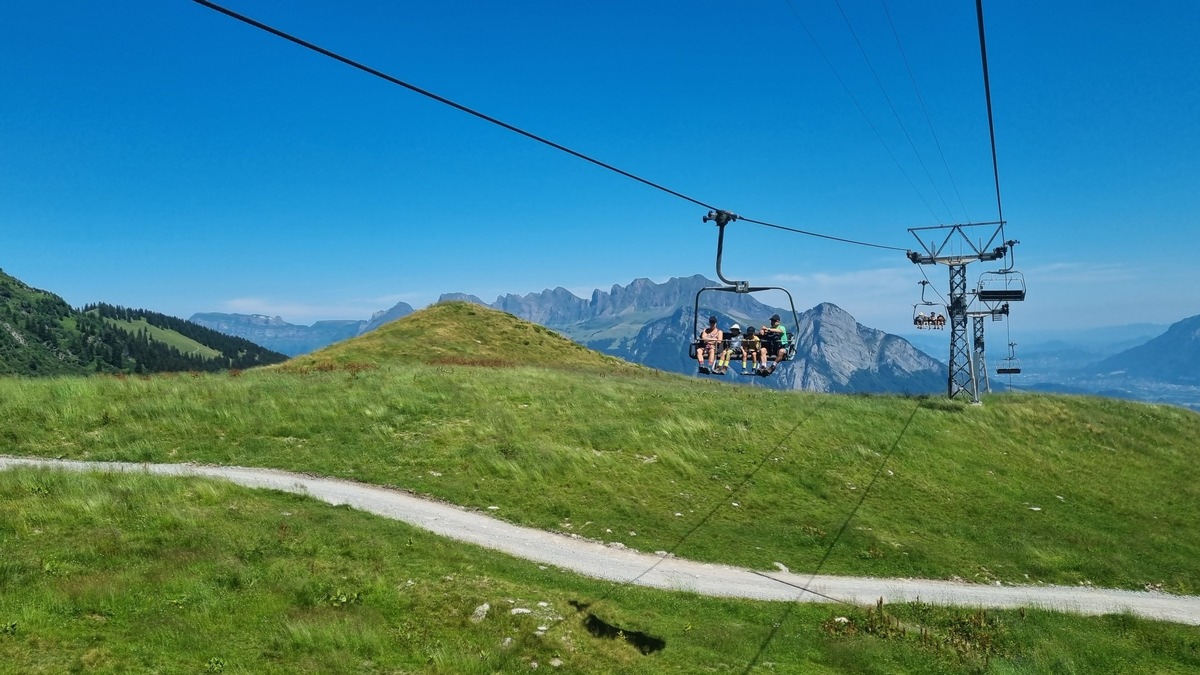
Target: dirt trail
<point>613,563</point>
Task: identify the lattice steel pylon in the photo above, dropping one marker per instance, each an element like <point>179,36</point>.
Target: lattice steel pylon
<point>979,363</point>
<point>979,359</point>
<point>962,374</point>
<point>956,250</point>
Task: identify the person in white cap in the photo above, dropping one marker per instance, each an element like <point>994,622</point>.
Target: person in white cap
<point>733,345</point>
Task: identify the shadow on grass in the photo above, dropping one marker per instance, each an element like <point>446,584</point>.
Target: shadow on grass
<point>645,643</point>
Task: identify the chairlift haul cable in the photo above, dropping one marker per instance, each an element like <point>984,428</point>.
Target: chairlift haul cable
<point>987,90</point>
<point>498,122</point>
<point>822,236</point>
<point>441,99</point>
<point>891,105</point>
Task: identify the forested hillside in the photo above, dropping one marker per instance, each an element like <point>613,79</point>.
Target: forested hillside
<point>40,334</point>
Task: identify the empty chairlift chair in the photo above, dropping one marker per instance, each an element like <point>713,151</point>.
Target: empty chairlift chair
<point>1010,365</point>
<point>1001,286</point>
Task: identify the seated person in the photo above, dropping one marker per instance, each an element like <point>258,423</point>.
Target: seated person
<point>774,341</point>
<point>710,340</point>
<point>752,347</point>
<point>733,347</point>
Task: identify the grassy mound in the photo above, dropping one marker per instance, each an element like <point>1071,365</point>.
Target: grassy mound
<point>459,333</point>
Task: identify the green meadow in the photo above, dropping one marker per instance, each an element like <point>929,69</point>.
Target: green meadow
<point>135,573</point>
<point>473,407</point>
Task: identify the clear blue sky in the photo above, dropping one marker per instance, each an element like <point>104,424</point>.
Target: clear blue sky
<point>157,154</point>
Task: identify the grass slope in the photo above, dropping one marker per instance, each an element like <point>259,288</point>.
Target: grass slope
<point>134,573</point>
<point>41,335</point>
<point>184,344</point>
<point>1024,489</point>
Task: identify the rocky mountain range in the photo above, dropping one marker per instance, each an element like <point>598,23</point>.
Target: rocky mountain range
<point>653,324</point>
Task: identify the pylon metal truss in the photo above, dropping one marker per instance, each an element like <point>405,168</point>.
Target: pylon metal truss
<point>956,250</point>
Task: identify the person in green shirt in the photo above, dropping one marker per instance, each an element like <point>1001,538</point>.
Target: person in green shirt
<point>774,343</point>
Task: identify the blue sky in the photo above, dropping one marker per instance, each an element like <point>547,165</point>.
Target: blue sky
<point>157,154</point>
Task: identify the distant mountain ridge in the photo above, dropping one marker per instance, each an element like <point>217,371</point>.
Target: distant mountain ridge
<point>560,309</point>
<point>1173,357</point>
<point>292,339</point>
<point>835,353</point>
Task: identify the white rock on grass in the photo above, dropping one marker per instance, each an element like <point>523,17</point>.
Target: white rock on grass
<point>480,613</point>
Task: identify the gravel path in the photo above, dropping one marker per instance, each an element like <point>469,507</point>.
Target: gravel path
<point>617,564</point>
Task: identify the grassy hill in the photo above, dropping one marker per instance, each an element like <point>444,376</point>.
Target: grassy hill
<point>475,407</point>
<point>41,335</point>
<point>460,333</point>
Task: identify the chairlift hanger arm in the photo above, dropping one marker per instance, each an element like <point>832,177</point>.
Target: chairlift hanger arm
<point>723,218</point>
<point>925,284</point>
<point>1012,258</point>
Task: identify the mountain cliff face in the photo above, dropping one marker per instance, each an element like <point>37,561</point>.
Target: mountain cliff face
<point>460,297</point>
<point>662,343</point>
<point>398,311</point>
<point>1173,357</point>
<point>835,353</point>
<point>561,309</point>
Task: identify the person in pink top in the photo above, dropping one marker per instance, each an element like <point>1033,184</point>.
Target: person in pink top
<point>710,344</point>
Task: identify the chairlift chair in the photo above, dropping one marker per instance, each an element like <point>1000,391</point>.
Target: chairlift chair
<point>928,320</point>
<point>789,346</point>
<point>1011,365</point>
<point>1001,286</point>
<point>723,218</point>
